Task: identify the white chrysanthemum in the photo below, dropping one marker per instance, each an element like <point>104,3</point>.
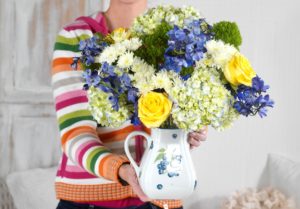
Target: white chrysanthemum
<point>119,48</point>
<point>125,60</point>
<point>132,44</point>
<point>144,86</point>
<point>108,55</point>
<point>221,53</point>
<point>162,80</point>
<point>138,64</point>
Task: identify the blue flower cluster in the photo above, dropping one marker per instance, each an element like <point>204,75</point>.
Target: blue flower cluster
<point>89,48</point>
<point>186,45</point>
<point>117,86</point>
<point>251,100</point>
<point>162,166</point>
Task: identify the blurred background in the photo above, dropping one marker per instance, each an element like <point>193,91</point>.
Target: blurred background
<point>226,162</point>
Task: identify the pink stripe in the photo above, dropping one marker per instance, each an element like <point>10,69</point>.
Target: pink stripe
<point>76,23</point>
<point>74,168</point>
<point>77,27</point>
<point>76,175</point>
<point>75,100</point>
<point>69,95</point>
<point>83,150</point>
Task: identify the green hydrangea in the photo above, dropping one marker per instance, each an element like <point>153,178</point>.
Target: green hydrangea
<point>203,100</point>
<point>148,22</point>
<point>103,112</point>
<point>228,32</point>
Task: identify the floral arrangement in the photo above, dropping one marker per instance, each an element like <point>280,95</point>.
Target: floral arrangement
<point>171,69</point>
<point>266,198</point>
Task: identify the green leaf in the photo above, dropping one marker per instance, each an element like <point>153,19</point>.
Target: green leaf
<point>162,150</point>
<point>159,157</point>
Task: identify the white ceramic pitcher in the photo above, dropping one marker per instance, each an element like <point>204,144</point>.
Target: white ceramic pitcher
<point>166,170</point>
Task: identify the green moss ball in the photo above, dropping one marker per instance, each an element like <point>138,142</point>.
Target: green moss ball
<point>228,32</point>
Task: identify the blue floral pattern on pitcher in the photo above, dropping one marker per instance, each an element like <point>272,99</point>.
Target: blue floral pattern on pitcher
<point>170,166</point>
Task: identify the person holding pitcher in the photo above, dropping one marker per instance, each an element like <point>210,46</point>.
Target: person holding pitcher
<point>93,171</point>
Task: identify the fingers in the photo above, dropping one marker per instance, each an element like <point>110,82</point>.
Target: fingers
<point>139,192</point>
<point>200,135</point>
<point>196,137</point>
<point>194,142</point>
<point>133,181</point>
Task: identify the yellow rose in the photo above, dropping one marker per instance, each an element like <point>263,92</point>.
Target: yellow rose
<point>239,71</point>
<point>118,35</point>
<point>153,109</point>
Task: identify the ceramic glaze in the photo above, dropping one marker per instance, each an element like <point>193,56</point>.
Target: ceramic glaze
<point>166,170</point>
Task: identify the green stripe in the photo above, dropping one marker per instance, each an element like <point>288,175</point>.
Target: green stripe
<point>74,120</point>
<point>71,115</point>
<point>61,46</point>
<point>93,156</point>
<point>71,41</point>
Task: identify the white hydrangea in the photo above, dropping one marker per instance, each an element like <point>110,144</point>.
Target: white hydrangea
<point>202,100</point>
<point>101,109</point>
<point>147,22</point>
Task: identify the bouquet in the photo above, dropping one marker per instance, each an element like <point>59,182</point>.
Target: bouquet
<point>171,69</point>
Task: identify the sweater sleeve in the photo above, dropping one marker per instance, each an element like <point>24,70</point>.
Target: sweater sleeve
<point>79,139</point>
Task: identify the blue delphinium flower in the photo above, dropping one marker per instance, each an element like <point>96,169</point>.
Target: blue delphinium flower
<point>186,45</point>
<point>91,78</point>
<point>107,69</point>
<point>89,48</point>
<point>134,117</point>
<point>251,100</point>
<point>116,85</point>
<point>114,101</point>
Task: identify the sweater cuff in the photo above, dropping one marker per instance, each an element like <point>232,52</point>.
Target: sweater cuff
<point>109,169</point>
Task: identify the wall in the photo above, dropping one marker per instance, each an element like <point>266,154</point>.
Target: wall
<point>227,161</point>
<point>28,129</point>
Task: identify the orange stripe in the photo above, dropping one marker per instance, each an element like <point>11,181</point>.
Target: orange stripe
<point>147,130</point>
<point>61,68</point>
<point>101,167</point>
<point>63,64</point>
<point>62,61</point>
<point>74,132</point>
<point>102,192</point>
<point>115,135</point>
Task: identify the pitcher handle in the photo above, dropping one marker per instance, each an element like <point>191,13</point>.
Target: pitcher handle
<point>126,147</point>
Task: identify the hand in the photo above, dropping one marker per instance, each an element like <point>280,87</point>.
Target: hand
<point>127,173</point>
<point>196,137</point>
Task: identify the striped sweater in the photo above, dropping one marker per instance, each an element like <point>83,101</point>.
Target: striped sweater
<point>91,155</point>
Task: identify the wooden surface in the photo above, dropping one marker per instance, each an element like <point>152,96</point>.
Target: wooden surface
<point>28,128</point>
